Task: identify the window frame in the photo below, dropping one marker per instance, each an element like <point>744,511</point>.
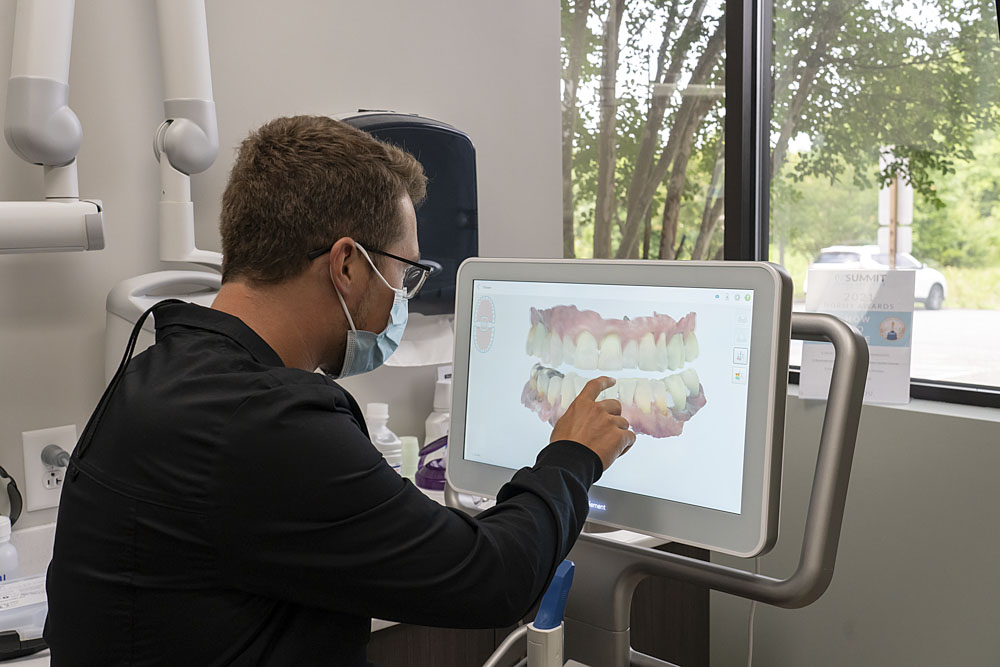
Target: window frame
<point>749,46</point>
<point>748,118</point>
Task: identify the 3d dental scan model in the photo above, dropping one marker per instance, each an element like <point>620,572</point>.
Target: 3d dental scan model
<point>582,339</point>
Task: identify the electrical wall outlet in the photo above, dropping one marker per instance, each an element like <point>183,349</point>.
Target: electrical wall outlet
<point>42,482</point>
<point>53,478</point>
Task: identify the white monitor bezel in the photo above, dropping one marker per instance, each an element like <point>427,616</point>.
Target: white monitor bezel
<point>747,534</point>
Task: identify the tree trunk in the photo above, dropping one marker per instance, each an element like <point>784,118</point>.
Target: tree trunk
<point>576,50</point>
<point>621,225</point>
<point>667,234</point>
<point>607,138</point>
<point>678,176</point>
<point>806,82</point>
<point>689,110</point>
<point>709,224</point>
<point>714,205</point>
<point>647,233</point>
<point>650,138</point>
<point>680,246</point>
<point>804,21</point>
<point>813,54</point>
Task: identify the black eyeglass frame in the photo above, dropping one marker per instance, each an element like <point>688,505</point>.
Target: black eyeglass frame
<point>428,270</point>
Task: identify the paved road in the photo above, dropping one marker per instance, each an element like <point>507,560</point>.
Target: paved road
<point>950,344</point>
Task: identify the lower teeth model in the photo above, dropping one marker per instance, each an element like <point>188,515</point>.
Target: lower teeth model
<point>657,407</point>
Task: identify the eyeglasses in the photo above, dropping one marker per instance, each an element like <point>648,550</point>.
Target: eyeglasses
<point>413,277</point>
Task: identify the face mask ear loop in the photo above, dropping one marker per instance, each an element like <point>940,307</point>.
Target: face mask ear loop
<point>350,320</point>
<point>396,290</point>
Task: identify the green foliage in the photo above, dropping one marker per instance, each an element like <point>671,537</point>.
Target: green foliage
<point>965,230</point>
<point>921,82</point>
<point>973,288</point>
<point>797,265</point>
<point>916,84</point>
<point>815,211</point>
<point>643,24</point>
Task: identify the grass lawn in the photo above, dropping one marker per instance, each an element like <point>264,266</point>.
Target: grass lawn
<point>797,266</point>
<point>975,288</point>
<point>968,288</point>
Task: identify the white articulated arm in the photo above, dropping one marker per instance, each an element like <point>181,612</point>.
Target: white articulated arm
<point>187,142</point>
<point>41,128</point>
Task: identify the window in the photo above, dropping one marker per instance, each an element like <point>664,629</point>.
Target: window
<point>862,95</point>
<point>866,92</point>
<point>643,128</point>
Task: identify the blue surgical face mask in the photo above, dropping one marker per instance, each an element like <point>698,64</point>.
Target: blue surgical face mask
<point>365,350</point>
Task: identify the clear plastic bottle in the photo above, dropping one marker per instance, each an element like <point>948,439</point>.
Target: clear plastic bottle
<point>391,447</point>
<point>438,422</point>
<point>8,554</point>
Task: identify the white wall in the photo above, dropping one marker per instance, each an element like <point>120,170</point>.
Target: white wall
<point>916,581</point>
<point>489,68</point>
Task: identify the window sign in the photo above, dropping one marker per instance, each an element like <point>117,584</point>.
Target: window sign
<point>879,304</point>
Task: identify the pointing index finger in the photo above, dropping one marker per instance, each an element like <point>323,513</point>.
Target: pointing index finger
<point>592,389</point>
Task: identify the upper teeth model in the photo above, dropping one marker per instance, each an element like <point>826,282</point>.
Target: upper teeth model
<point>584,339</point>
<point>653,406</point>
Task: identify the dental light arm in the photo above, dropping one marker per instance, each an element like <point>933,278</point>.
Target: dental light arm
<point>187,142</point>
<point>41,129</point>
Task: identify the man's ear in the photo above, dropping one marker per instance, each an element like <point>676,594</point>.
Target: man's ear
<point>345,269</point>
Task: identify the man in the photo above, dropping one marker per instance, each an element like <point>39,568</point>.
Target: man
<point>225,505</point>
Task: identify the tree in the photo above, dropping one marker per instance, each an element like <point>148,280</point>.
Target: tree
<point>815,212</point>
<point>607,139</point>
<point>616,212</point>
<point>921,83</point>
<point>851,77</point>
<point>966,230</point>
<point>574,36</point>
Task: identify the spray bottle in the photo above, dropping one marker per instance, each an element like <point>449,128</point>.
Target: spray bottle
<point>8,554</point>
<point>438,422</point>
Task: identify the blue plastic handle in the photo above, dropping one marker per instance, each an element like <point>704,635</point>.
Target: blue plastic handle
<point>550,612</point>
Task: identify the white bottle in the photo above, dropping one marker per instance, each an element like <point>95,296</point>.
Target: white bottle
<point>8,554</point>
<point>391,447</point>
<point>439,421</point>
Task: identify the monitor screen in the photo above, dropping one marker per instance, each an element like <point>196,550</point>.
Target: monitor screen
<point>680,356</point>
<point>699,353</point>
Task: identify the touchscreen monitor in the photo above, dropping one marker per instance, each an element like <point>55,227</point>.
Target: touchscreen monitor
<point>694,350</point>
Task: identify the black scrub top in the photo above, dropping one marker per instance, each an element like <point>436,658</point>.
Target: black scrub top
<point>231,511</point>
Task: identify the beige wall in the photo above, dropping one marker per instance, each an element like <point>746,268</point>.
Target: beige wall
<point>489,68</point>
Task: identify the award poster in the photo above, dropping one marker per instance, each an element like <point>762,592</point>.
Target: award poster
<point>879,304</point>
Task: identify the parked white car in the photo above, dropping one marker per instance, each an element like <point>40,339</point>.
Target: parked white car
<point>930,288</point>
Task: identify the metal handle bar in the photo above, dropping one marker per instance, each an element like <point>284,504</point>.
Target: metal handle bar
<point>826,504</point>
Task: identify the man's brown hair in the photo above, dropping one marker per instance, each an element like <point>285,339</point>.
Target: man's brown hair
<point>303,182</point>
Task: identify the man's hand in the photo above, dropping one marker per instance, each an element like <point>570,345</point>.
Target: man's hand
<point>597,425</point>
